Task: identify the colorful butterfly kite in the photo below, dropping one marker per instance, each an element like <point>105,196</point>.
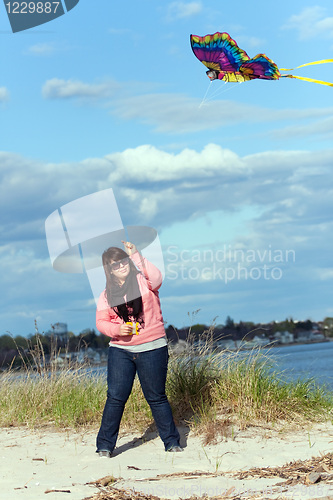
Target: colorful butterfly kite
<point>228,62</point>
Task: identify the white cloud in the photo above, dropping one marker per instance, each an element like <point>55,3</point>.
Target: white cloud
<point>120,31</point>
<point>4,94</point>
<point>147,181</point>
<point>287,195</point>
<point>180,113</point>
<point>325,274</point>
<point>323,128</point>
<point>41,49</point>
<point>311,22</point>
<point>253,41</point>
<point>149,164</point>
<point>291,190</point>
<point>57,88</point>
<point>180,10</point>
<point>170,113</point>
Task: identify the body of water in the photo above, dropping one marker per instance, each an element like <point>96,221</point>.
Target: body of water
<point>305,361</point>
<point>313,361</point>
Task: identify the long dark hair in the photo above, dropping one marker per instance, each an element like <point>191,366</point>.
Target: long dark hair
<point>115,293</point>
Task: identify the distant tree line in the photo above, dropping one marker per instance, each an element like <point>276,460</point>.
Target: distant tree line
<point>248,330</point>
<point>15,349</point>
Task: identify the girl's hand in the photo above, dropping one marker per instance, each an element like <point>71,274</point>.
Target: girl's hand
<point>125,330</point>
<point>130,248</point>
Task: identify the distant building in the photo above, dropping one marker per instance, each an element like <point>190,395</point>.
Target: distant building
<point>88,355</point>
<point>284,337</point>
<point>303,337</point>
<point>317,336</point>
<point>60,331</point>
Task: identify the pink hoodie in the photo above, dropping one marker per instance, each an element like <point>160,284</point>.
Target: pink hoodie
<point>108,322</point>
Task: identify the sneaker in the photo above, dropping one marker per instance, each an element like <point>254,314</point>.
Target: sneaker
<point>175,449</point>
<point>104,454</point>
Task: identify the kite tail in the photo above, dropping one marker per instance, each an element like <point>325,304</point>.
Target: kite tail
<point>323,61</point>
<point>308,79</point>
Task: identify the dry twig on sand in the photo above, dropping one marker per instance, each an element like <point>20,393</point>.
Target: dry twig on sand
<point>307,472</point>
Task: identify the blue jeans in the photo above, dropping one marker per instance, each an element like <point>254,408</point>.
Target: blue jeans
<point>151,367</point>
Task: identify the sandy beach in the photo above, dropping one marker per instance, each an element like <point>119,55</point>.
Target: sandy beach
<point>250,463</point>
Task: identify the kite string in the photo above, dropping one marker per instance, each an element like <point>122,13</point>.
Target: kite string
<point>219,90</point>
<point>204,97</point>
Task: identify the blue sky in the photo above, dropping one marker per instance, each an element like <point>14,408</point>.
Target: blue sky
<point>238,185</point>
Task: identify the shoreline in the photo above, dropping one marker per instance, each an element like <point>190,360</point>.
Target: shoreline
<point>269,345</point>
<point>244,464</point>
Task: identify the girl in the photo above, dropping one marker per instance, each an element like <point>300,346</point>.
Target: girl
<point>129,312</point>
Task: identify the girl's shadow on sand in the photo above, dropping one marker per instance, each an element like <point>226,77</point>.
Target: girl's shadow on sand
<point>150,434</point>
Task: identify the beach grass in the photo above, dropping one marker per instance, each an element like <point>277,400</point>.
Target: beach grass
<point>67,398</point>
<point>210,391</point>
<point>217,391</point>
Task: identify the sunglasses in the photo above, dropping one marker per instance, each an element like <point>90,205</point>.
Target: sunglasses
<point>116,265</point>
